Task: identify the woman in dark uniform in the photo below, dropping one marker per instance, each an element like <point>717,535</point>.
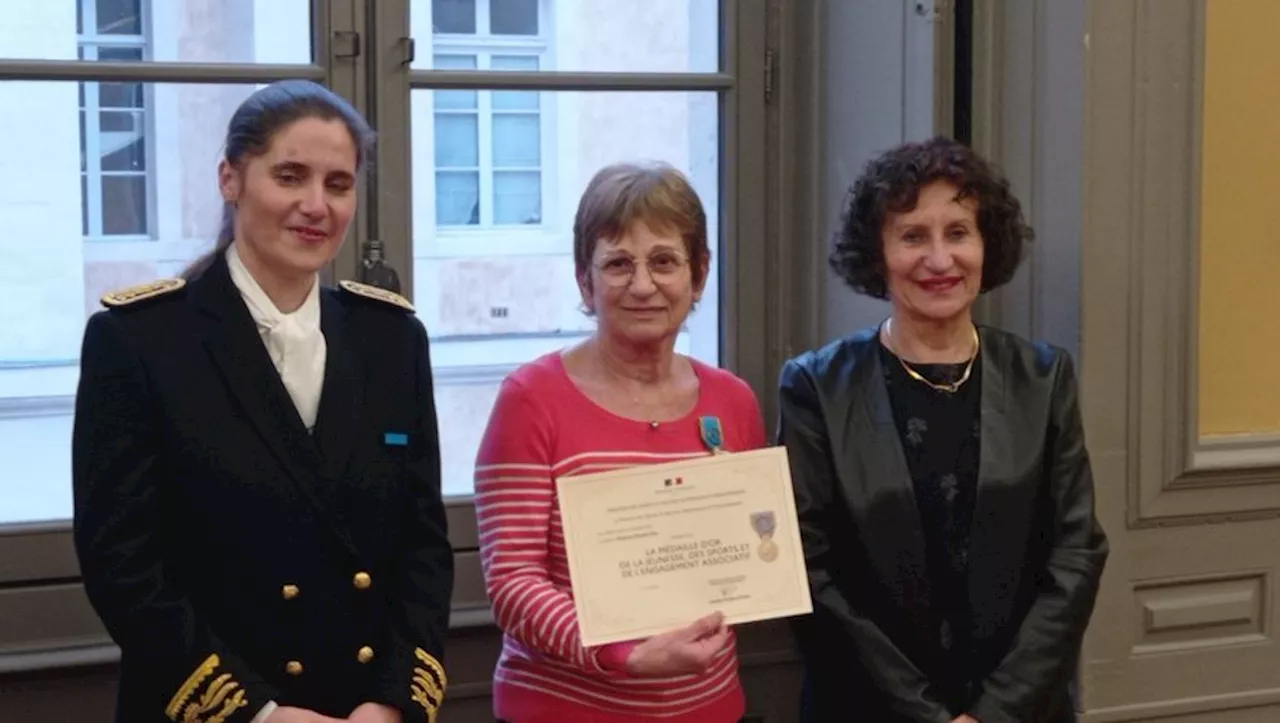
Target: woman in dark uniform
<point>944,490</point>
<point>258,512</point>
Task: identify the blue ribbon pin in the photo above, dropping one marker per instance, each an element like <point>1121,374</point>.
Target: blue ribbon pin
<point>395,439</point>
<point>712,434</point>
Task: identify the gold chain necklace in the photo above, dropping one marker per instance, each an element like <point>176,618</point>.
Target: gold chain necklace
<point>951,388</point>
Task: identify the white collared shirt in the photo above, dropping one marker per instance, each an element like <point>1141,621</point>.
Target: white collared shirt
<point>294,340</point>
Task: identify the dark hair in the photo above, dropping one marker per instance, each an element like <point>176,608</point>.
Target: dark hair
<point>655,193</point>
<point>256,122</point>
<point>891,183</point>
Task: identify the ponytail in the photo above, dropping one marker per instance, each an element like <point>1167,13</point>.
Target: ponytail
<point>226,234</point>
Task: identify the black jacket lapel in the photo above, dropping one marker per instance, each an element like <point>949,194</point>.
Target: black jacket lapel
<point>338,418</point>
<point>895,535</point>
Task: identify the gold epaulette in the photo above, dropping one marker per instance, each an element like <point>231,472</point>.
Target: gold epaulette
<point>141,292</point>
<point>429,683</point>
<point>376,293</point>
<point>221,697</point>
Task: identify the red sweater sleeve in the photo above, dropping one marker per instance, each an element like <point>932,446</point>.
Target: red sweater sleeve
<point>515,492</point>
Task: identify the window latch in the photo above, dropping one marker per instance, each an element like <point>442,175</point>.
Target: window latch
<point>346,44</point>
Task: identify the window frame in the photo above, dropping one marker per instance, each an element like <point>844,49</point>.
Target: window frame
<point>361,50</point>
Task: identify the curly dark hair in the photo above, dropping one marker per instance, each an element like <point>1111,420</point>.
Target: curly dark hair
<point>891,183</point>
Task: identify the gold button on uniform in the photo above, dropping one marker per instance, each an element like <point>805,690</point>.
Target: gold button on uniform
<point>293,667</point>
<point>289,592</point>
<point>365,654</point>
<point>362,581</point>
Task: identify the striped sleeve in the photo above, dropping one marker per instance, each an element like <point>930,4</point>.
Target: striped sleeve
<point>514,498</point>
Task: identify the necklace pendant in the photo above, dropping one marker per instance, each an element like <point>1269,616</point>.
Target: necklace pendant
<point>653,425</point>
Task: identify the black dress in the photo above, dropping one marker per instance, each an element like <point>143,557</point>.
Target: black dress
<point>940,433</point>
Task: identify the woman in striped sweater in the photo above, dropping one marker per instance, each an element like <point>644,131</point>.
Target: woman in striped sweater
<point>622,398</point>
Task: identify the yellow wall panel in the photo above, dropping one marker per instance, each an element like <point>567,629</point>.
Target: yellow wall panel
<point>1240,220</point>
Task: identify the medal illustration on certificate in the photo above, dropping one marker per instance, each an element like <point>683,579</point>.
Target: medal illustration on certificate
<point>765,523</point>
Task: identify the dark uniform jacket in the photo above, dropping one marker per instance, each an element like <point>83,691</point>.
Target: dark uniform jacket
<point>1036,550</point>
<point>235,558</point>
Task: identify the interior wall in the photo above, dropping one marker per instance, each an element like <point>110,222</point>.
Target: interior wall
<point>1239,252</point>
<point>877,90</point>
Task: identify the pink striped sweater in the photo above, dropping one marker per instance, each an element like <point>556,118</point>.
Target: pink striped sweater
<point>543,426</point>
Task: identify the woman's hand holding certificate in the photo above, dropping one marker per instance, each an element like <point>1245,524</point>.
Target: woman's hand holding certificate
<point>651,548</point>
<point>684,651</point>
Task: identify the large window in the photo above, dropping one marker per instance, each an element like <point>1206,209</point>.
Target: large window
<point>109,179</point>
<point>496,165</point>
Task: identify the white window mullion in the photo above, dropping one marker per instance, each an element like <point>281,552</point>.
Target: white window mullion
<point>482,18</point>
<point>89,18</point>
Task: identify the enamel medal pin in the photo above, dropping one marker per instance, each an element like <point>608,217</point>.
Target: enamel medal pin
<point>712,434</point>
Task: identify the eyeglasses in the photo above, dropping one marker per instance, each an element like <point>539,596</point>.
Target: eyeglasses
<point>664,267</point>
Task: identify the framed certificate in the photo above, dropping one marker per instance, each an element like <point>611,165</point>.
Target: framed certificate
<point>655,547</point>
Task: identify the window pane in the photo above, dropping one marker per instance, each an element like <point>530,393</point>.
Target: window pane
<point>454,16</point>
<point>197,31</point>
<point>457,140</point>
<point>114,121</point>
<point>517,197</point>
<point>675,36</point>
<point>117,17</point>
<point>514,62</point>
<point>120,95</point>
<point>84,145</point>
<point>456,99</point>
<point>117,54</point>
<point>514,99</point>
<point>495,276</point>
<point>47,289</point>
<point>124,151</point>
<point>516,142</point>
<point>124,205</point>
<point>457,198</point>
<point>84,211</point>
<point>513,17</point>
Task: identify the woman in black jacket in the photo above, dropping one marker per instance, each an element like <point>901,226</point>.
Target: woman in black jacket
<point>258,512</point>
<point>944,491</point>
